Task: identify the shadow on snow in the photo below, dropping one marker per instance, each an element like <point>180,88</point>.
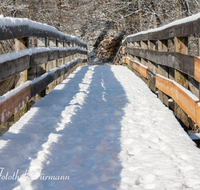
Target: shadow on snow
<point>87,145</point>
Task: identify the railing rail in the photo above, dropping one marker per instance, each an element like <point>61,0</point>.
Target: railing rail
<point>173,75</point>
<point>179,28</point>
<point>11,28</point>
<point>37,70</point>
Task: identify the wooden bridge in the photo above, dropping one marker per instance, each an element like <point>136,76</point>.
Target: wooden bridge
<point>160,57</point>
<point>46,64</point>
<point>101,125</point>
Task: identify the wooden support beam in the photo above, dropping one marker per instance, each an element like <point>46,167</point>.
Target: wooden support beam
<point>20,44</point>
<point>163,70</point>
<point>144,45</point>
<point>14,82</point>
<point>153,67</point>
<point>187,64</point>
<point>181,46</point>
<point>60,62</point>
<point>41,69</point>
<point>50,65</point>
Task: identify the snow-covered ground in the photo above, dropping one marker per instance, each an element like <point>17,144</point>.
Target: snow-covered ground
<point>101,128</point>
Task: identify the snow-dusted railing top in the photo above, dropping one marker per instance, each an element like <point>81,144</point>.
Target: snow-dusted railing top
<point>179,28</point>
<point>16,62</point>
<point>12,101</point>
<point>166,66</point>
<point>11,28</point>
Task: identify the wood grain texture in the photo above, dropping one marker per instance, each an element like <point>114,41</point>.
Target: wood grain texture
<point>164,85</point>
<point>15,66</point>
<point>151,77</point>
<point>180,30</point>
<point>181,97</point>
<point>185,102</point>
<point>10,68</point>
<point>140,69</point>
<point>14,103</point>
<point>23,31</point>
<point>51,76</point>
<point>197,69</point>
<point>179,61</point>
<point>197,107</point>
<point>38,59</point>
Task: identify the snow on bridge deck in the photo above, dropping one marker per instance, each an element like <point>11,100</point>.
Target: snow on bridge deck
<point>104,129</point>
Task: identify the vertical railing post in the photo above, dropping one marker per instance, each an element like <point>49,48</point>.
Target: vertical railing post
<point>181,46</point>
<point>71,57</point>
<point>144,45</point>
<point>41,69</point>
<point>13,82</point>
<point>20,44</point>
<point>153,67</point>
<point>59,62</point>
<point>67,59</point>
<point>50,65</point>
<point>163,70</point>
<point>138,46</point>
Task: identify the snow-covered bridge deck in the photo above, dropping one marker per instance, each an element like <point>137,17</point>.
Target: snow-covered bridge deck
<point>103,128</point>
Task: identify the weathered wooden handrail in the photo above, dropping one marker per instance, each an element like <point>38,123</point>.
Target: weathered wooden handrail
<point>38,84</point>
<point>170,74</point>
<point>25,59</point>
<point>55,56</point>
<point>184,63</point>
<point>12,101</point>
<point>11,28</point>
<point>179,28</point>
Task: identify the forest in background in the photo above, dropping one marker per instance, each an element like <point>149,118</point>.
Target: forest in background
<point>100,23</point>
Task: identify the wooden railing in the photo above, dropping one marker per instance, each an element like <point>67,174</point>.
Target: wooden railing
<point>160,57</point>
<point>34,71</point>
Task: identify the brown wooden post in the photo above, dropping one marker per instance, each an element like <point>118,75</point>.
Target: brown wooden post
<point>73,56</point>
<point>144,45</point>
<point>13,82</point>
<point>181,46</point>
<point>132,44</point>
<point>41,69</point>
<point>153,67</point>
<point>50,65</point>
<point>137,45</point>
<point>20,44</point>
<point>171,48</point>
<point>163,70</point>
<point>32,73</point>
<point>59,62</point>
<point>76,55</point>
<point>67,59</point>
